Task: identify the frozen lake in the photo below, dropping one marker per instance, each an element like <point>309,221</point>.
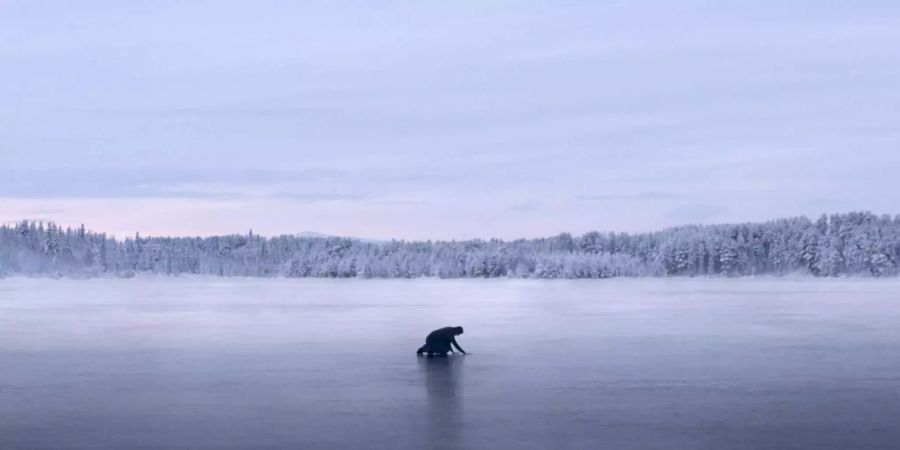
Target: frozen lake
<point>207,363</point>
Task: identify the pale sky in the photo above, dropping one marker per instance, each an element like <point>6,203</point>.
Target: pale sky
<point>441,120</point>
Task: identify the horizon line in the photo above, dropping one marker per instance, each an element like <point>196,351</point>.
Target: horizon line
<point>319,235</point>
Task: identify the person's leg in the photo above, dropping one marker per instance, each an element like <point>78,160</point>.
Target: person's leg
<point>442,348</point>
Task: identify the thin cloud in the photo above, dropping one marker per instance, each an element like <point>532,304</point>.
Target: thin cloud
<point>133,183</point>
<point>311,197</point>
<point>526,206</point>
<point>638,196</point>
<point>227,111</point>
<point>697,213</point>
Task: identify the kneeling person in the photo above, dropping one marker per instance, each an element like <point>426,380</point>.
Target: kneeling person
<point>439,342</point>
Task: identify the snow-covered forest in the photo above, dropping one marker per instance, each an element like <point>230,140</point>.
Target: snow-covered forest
<point>839,244</point>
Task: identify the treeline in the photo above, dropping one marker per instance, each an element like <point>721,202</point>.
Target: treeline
<point>857,243</point>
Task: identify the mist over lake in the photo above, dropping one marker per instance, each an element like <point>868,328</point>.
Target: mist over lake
<point>236,363</point>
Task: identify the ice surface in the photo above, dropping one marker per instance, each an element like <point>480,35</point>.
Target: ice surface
<point>203,363</point>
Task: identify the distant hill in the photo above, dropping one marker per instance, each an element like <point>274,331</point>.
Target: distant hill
<point>313,234</point>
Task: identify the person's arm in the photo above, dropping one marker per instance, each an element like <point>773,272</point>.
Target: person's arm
<point>453,341</point>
